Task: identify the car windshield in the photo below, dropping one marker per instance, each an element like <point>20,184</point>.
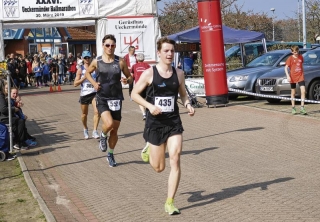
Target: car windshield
<point>231,50</point>
<point>312,57</point>
<point>268,59</point>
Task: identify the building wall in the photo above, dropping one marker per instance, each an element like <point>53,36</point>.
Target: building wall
<point>16,47</point>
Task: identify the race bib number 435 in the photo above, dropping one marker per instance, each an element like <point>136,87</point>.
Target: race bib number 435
<point>165,103</point>
<point>114,105</point>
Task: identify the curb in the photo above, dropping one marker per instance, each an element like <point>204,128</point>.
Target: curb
<point>43,207</point>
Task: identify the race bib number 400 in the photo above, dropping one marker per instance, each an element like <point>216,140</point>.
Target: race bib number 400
<point>165,103</point>
<point>114,105</point>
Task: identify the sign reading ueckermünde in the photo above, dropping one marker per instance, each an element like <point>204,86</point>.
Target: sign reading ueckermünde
<point>14,10</point>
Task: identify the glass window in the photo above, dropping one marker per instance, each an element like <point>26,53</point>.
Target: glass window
<point>86,47</point>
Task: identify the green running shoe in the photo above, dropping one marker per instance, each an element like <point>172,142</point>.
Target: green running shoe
<point>303,111</point>
<point>294,111</point>
<point>145,153</point>
<point>170,209</point>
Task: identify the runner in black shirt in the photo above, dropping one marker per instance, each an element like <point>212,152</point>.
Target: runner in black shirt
<point>109,93</point>
<point>163,125</point>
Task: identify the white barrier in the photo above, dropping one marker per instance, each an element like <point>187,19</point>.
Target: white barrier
<point>271,97</point>
<point>196,86</point>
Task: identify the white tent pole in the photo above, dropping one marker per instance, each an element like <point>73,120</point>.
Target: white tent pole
<point>101,31</point>
<point>242,54</point>
<point>9,108</point>
<point>1,42</point>
<point>264,45</point>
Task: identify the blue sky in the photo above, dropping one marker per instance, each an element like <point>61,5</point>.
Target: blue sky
<point>283,8</point>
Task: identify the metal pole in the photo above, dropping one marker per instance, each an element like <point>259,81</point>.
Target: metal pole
<point>299,21</point>
<point>304,29</point>
<point>272,9</point>
<point>1,42</point>
<point>9,108</point>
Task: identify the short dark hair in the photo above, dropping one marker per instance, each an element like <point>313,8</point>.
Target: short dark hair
<point>111,37</point>
<point>164,40</point>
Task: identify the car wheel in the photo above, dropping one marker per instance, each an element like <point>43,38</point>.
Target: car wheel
<point>314,91</point>
<point>273,100</point>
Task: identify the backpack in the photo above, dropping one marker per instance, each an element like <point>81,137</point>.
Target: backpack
<point>4,138</point>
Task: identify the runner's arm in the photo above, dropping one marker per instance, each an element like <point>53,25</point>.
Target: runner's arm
<point>183,93</point>
<point>78,80</point>
<point>91,69</point>
<point>126,72</point>
<point>140,86</point>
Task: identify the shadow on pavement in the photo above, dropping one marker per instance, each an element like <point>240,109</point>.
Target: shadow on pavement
<point>228,192</point>
<point>238,130</point>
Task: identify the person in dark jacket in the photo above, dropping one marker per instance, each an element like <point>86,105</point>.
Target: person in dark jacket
<point>18,125</point>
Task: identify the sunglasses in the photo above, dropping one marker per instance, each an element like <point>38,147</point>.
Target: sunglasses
<point>108,45</point>
<point>86,57</point>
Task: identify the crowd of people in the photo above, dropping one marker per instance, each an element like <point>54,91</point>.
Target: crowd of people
<point>41,69</point>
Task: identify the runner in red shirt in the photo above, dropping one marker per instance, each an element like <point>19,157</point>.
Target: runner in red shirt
<point>136,71</point>
<point>295,64</point>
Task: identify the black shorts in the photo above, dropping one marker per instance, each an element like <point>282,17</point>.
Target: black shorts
<point>294,85</point>
<point>158,136</point>
<point>106,105</point>
<point>87,99</point>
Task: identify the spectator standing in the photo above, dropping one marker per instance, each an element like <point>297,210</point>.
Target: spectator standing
<point>46,73</point>
<point>296,75</point>
<point>72,67</point>
<point>22,73</point>
<point>130,59</point>
<point>61,72</point>
<point>38,75</point>
<point>136,71</point>
<point>54,70</point>
<point>29,70</point>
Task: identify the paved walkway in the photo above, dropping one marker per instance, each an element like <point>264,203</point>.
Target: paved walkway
<point>239,163</point>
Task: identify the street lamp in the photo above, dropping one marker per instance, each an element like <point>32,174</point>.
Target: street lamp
<point>272,9</point>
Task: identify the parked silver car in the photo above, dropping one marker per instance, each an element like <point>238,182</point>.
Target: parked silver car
<point>245,78</point>
<point>275,82</point>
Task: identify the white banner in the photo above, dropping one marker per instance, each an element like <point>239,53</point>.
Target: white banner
<point>138,31</point>
<point>17,10</point>
<point>196,86</point>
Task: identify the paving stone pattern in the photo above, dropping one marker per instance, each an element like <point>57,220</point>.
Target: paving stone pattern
<point>249,161</point>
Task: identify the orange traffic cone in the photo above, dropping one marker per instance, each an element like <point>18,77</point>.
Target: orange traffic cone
<point>51,90</point>
<point>59,88</point>
<point>54,88</point>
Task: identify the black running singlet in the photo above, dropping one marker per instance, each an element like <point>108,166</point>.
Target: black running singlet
<point>109,76</point>
<point>163,92</point>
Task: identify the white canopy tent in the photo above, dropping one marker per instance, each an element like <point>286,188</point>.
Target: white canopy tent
<point>71,13</point>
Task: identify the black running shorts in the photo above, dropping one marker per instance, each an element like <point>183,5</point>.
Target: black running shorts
<point>158,136</point>
<point>103,105</point>
<point>87,99</point>
<point>293,85</point>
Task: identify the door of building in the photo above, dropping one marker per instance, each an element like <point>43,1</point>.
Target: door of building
<point>33,48</point>
<point>61,48</point>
